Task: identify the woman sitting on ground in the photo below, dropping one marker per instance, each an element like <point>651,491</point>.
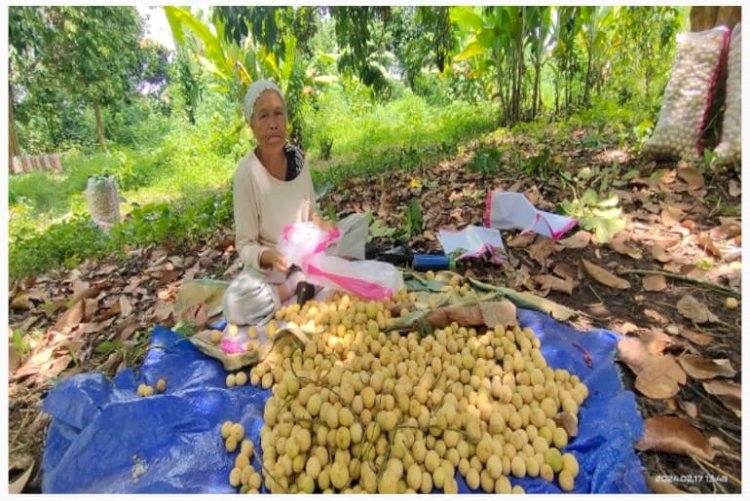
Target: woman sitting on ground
<point>272,188</point>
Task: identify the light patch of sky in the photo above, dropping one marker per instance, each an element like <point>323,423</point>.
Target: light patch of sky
<point>157,27</point>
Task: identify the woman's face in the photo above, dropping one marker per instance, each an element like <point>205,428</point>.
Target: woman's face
<point>269,120</point>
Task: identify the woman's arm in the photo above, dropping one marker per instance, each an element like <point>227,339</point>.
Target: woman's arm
<point>247,219</point>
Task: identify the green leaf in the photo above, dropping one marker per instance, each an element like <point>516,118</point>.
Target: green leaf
<point>426,285</point>
<point>327,58</point>
<point>466,18</point>
<point>612,201</point>
<point>612,213</point>
<point>326,79</point>
<point>605,229</point>
<point>658,174</point>
<point>212,45</point>
<point>378,230</point>
<point>585,173</point>
<point>471,50</point>
<point>108,346</point>
<point>590,197</point>
<point>631,174</point>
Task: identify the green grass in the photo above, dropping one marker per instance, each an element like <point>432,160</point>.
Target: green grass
<point>179,190</point>
<point>401,133</point>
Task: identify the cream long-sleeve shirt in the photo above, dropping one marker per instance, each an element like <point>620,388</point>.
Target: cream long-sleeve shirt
<point>263,205</point>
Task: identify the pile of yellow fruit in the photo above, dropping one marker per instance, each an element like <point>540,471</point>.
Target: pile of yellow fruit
<point>360,410</point>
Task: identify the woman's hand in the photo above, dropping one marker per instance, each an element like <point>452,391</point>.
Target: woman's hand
<point>322,224</point>
<point>271,258</point>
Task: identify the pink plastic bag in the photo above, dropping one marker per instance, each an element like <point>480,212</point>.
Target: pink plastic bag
<point>507,210</point>
<point>304,245</point>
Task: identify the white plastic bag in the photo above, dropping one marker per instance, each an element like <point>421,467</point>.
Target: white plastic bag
<point>103,200</point>
<point>304,244</point>
<point>729,150</point>
<point>474,241</point>
<point>508,210</point>
<point>689,94</point>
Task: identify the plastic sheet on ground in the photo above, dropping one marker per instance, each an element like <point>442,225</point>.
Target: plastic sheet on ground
<point>104,438</point>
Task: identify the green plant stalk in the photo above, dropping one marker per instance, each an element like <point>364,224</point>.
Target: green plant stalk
<point>528,300</point>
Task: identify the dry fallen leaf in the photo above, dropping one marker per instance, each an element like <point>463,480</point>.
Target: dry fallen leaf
<point>735,188</point>
<point>90,306</point>
<point>699,338</point>
<point>53,368</point>
<point>674,436</point>
<point>620,245</point>
<point>579,240</point>
<point>502,312</point>
<point>565,270</point>
<point>690,409</point>
<point>723,448</point>
<point>660,378</point>
<point>14,360</point>
<point>661,255</point>
<point>692,177</point>
<point>728,392</point>
<point>729,227</point>
<point>670,215</point>
<point>127,328</point>
<point>550,282</point>
<point>92,327</point>
<point>125,307</point>
<point>605,277</point>
<point>463,315</point>
<point>22,301</point>
<point>196,314</point>
<point>111,312</point>
<point>703,368</point>
<point>162,311</point>
<point>520,241</point>
<point>16,486</point>
<point>568,422</point>
<point>654,283</point>
<point>541,249</point>
<point>691,308</point>
<point>627,328</point>
<point>84,292</point>
<point>168,276</point>
<point>655,316</point>
<point>705,242</point>
<point>632,352</point>
<point>656,341</point>
<point>70,318</point>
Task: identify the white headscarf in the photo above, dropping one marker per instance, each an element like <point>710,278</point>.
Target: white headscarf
<point>253,93</point>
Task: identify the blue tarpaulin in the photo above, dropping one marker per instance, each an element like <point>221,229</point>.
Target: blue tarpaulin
<point>105,439</point>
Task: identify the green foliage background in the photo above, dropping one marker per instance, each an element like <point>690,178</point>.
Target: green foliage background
<point>414,86</point>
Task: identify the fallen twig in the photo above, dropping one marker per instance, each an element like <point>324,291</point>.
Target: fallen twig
<point>697,281</point>
<point>714,467</point>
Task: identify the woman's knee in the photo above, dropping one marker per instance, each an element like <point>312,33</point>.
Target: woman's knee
<point>250,300</point>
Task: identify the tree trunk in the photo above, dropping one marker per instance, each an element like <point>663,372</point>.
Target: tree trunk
<point>14,146</point>
<point>535,92</point>
<point>587,89</point>
<point>500,88</point>
<point>100,125</point>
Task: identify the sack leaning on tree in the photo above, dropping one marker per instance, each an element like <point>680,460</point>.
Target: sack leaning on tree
<point>103,200</point>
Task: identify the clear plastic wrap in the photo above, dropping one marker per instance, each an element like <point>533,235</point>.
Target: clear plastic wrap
<point>688,96</point>
<point>729,150</point>
<point>304,244</point>
<point>103,200</point>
